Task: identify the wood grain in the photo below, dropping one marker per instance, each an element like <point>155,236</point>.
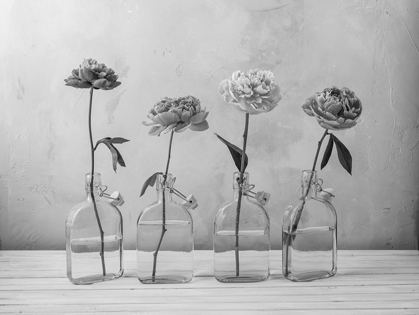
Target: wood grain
<point>368,282</point>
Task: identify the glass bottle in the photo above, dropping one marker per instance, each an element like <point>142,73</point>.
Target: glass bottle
<point>84,243</point>
<point>309,249</point>
<point>165,239</point>
<point>249,261</point>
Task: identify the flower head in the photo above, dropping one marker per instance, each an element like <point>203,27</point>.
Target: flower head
<point>178,114</point>
<point>334,108</point>
<point>253,91</point>
<point>93,74</point>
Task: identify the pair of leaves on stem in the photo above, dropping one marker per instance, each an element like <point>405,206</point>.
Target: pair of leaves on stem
<point>116,156</point>
<point>236,153</point>
<point>344,155</point>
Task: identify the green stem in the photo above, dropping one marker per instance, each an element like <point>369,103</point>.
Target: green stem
<point>102,241</point>
<point>294,225</point>
<point>300,210</point>
<point>239,201</point>
<point>163,228</point>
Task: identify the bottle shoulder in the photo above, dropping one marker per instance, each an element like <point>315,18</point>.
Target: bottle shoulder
<point>86,209</point>
<point>172,211</point>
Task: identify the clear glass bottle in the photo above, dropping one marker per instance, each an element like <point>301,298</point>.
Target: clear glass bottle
<point>84,243</point>
<point>165,239</point>
<point>309,249</point>
<point>249,261</point>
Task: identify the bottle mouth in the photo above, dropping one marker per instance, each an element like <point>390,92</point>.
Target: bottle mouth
<point>97,181</point>
<point>169,181</point>
<point>308,177</point>
<point>236,179</point>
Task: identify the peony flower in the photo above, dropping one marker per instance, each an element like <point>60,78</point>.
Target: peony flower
<point>93,74</point>
<point>178,114</point>
<point>253,92</point>
<point>334,108</point>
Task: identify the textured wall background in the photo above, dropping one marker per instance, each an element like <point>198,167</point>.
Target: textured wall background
<point>174,48</point>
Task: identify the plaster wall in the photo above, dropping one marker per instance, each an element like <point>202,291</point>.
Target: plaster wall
<point>186,47</point>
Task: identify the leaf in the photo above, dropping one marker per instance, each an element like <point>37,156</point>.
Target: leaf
<point>344,155</point>
<point>327,153</point>
<point>149,182</point>
<point>236,153</point>
<point>116,156</point>
<point>118,140</point>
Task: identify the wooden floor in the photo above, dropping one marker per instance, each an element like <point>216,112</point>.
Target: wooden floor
<point>368,282</point>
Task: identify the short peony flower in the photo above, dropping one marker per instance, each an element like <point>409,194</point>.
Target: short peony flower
<point>93,74</point>
<point>178,114</point>
<point>334,108</point>
<point>253,92</point>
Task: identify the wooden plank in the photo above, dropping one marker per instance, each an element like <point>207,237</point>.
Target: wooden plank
<point>109,306</point>
<point>368,282</point>
<point>202,297</point>
<point>339,280</point>
<point>45,310</point>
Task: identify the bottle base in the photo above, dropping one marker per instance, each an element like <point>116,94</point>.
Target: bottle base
<point>242,279</point>
<point>165,279</point>
<point>95,278</point>
<point>309,275</point>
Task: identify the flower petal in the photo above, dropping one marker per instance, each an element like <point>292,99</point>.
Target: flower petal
<point>87,75</point>
<point>166,118</point>
<point>198,118</point>
<point>156,130</point>
<point>101,83</point>
<point>181,127</point>
<point>113,85</point>
<point>149,123</point>
<point>185,116</point>
<point>199,127</point>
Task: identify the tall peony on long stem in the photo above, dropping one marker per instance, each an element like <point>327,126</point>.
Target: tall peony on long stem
<point>252,92</point>
<point>93,75</point>
<point>173,115</point>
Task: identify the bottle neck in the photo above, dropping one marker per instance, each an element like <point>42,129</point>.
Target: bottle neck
<point>239,181</point>
<point>167,195</point>
<point>309,191</point>
<point>95,195</point>
<point>95,188</point>
<point>163,187</point>
<point>308,183</point>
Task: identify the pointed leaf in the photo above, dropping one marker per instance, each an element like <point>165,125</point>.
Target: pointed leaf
<point>118,140</point>
<point>116,156</point>
<point>149,182</point>
<point>344,155</point>
<point>327,152</point>
<point>236,153</point>
<point>119,159</point>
